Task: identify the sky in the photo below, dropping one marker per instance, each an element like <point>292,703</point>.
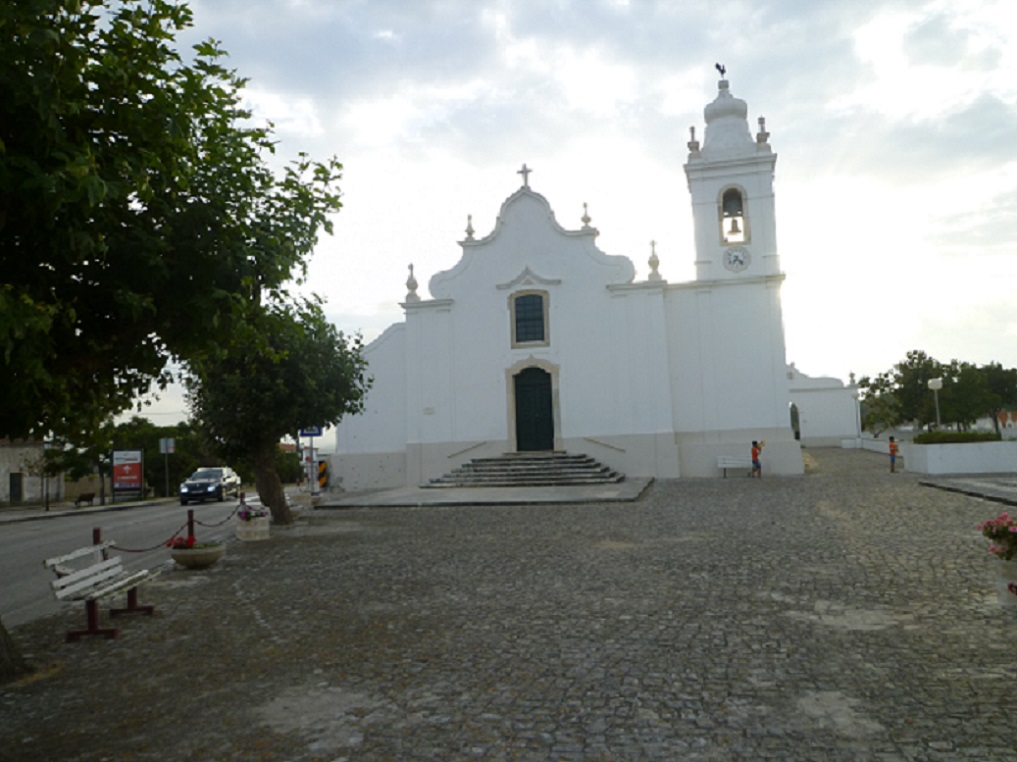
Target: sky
<point>894,123</point>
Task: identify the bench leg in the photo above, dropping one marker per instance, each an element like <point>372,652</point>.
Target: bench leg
<point>92,613</point>
<point>132,605</point>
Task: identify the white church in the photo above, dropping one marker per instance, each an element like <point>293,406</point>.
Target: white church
<point>536,340</point>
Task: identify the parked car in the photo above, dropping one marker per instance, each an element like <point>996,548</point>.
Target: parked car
<point>210,483</point>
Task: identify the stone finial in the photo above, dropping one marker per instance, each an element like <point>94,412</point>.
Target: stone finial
<point>693,144</point>
<point>469,229</point>
<point>585,219</point>
<point>654,262</point>
<point>411,284</point>
<point>762,136</point>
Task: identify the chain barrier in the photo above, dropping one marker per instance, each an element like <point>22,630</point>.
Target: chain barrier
<point>220,523</point>
<point>120,547</point>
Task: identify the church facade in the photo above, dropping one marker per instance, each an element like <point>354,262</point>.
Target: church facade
<point>537,340</point>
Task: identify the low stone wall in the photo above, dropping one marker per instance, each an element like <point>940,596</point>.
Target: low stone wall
<point>969,458</point>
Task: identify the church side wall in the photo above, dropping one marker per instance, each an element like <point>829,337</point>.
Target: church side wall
<point>371,446</point>
<point>729,376</point>
<point>381,427</point>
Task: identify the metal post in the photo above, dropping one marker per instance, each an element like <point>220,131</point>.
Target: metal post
<point>935,384</point>
<point>312,470</point>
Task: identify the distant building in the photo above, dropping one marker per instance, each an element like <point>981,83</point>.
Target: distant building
<point>1007,423</point>
<point>20,473</point>
<point>827,409</point>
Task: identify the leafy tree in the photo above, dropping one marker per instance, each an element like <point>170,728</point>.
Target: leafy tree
<point>902,393</point>
<point>965,396</point>
<point>880,413</point>
<point>303,372</point>
<point>89,453</point>
<point>139,219</point>
<point>1002,386</point>
<point>138,216</point>
<point>12,663</point>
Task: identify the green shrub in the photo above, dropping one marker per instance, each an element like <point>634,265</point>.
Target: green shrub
<point>956,437</point>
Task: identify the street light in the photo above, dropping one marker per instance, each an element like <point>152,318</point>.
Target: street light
<point>936,384</point>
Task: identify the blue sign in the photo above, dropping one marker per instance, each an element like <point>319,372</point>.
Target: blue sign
<point>311,431</point>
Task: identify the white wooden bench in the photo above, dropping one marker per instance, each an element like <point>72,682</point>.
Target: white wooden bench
<point>729,461</point>
<point>103,577</point>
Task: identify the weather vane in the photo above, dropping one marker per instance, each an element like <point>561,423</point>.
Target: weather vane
<point>721,69</point>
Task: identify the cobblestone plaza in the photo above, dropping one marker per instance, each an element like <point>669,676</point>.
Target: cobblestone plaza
<point>849,614</point>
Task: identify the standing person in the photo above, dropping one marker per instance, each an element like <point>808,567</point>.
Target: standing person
<point>893,456</point>
<point>757,464</point>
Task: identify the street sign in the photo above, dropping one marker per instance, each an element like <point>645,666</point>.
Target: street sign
<point>311,431</point>
<point>127,470</point>
<point>166,446</point>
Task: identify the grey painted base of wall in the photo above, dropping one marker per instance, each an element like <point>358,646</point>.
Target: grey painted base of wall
<point>661,455</point>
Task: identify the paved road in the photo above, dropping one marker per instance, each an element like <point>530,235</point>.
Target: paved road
<point>25,593</point>
<point>845,615</point>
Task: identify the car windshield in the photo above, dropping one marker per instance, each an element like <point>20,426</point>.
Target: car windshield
<point>207,473</point>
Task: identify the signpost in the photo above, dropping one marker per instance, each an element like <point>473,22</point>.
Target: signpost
<point>128,472</point>
<point>166,447</point>
<point>312,476</point>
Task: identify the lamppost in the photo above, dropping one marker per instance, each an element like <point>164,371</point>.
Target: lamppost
<point>936,384</point>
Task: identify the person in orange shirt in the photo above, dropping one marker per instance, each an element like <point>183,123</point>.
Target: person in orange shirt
<point>757,464</point>
<point>893,456</point>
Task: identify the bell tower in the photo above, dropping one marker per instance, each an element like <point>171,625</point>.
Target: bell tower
<point>739,393</point>
<point>730,178</point>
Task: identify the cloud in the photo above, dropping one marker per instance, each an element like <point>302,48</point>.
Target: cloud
<point>893,122</point>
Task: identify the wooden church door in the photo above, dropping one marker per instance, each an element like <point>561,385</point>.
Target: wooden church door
<point>534,417</point>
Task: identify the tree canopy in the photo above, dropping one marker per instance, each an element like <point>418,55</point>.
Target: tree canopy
<point>302,372</point>
<point>901,395</point>
<point>139,218</point>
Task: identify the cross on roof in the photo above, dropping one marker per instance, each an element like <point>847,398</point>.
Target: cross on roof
<point>525,172</point>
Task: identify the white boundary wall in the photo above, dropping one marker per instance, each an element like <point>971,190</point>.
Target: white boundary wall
<point>969,458</point>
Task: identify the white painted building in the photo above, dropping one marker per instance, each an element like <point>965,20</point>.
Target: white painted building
<point>20,473</point>
<point>828,410</point>
<point>537,340</point>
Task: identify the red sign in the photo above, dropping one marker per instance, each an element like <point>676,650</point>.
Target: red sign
<point>127,470</point>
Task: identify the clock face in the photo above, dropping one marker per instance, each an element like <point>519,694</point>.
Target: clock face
<point>736,258</point>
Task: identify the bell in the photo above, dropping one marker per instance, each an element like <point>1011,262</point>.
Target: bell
<point>735,230</point>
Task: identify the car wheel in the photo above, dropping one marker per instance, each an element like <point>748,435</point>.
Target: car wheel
<point>219,495</point>
<point>183,502</point>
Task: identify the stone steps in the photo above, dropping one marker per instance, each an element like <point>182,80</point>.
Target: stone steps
<point>551,469</point>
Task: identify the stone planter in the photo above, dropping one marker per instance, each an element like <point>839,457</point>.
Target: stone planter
<point>253,529</point>
<point>198,558</point>
<point>1006,584</point>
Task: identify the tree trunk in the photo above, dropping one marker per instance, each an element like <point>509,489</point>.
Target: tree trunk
<point>12,663</point>
<point>266,480</point>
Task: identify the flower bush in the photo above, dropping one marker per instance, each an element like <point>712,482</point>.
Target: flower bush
<point>1002,531</point>
<point>189,543</point>
<point>247,513</point>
